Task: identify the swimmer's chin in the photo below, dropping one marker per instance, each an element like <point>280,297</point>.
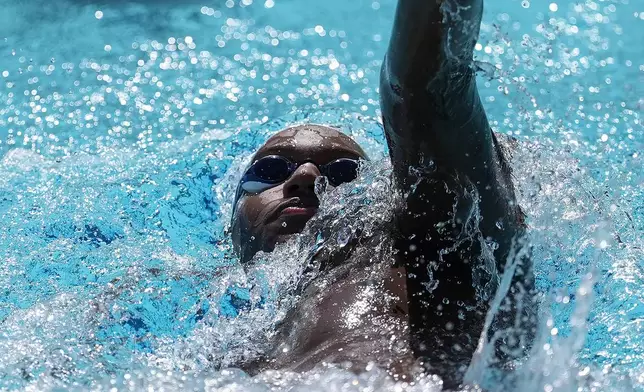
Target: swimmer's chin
<point>282,238</point>
<point>288,230</point>
<point>277,240</point>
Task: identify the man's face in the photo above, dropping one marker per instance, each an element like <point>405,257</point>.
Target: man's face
<point>269,217</point>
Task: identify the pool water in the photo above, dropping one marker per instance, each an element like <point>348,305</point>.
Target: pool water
<point>125,124</point>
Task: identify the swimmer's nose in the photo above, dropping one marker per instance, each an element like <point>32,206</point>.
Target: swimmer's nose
<point>302,181</point>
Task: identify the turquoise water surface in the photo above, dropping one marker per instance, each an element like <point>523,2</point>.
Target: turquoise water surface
<point>124,126</point>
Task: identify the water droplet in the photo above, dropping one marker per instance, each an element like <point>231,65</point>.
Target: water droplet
<point>344,236</point>
<point>488,69</point>
<point>525,4</point>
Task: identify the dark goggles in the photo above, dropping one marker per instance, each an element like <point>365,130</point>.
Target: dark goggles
<point>272,170</point>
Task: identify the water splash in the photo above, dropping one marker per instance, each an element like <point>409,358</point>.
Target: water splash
<point>116,269</point>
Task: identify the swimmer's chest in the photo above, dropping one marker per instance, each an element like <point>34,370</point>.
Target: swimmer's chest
<point>347,313</point>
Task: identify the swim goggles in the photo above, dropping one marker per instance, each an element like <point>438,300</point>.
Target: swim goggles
<point>272,170</point>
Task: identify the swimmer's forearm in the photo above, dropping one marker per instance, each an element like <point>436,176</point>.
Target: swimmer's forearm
<point>430,104</point>
<point>433,115</point>
<point>430,35</point>
<point>434,119</point>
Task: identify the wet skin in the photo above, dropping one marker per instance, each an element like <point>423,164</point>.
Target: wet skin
<point>265,219</point>
<point>459,215</point>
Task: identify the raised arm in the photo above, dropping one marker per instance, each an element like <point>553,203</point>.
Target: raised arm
<point>460,219</point>
<point>431,108</point>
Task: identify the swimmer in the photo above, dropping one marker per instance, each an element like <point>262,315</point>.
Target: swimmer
<point>419,310</point>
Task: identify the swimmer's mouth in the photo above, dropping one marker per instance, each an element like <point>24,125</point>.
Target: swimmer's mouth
<point>299,207</point>
<point>293,215</point>
<point>306,211</point>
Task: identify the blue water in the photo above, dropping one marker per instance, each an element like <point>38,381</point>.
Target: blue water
<point>124,126</point>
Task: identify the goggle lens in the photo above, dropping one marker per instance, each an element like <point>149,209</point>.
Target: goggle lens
<point>271,170</point>
<point>342,171</point>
